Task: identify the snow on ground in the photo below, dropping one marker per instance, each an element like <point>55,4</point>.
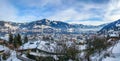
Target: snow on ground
<point>116,48</point>
<point>49,47</point>
<point>55,57</point>
<point>5,37</point>
<point>6,49</point>
<point>23,55</point>
<point>115,53</point>
<point>1,48</point>
<point>13,57</point>
<point>112,59</point>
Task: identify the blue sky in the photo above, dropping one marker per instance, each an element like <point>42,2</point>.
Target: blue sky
<point>90,12</point>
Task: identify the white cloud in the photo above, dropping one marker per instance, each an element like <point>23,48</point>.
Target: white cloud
<point>113,11</point>
<point>7,11</point>
<point>39,3</point>
<point>71,11</point>
<point>26,18</point>
<point>107,12</point>
<point>75,16</point>
<point>69,14</point>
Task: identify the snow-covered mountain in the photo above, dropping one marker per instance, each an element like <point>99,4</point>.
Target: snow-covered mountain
<point>9,25</point>
<point>111,26</point>
<point>48,24</point>
<point>57,24</point>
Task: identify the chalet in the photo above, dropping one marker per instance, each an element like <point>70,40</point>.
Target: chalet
<point>41,49</point>
<point>114,35</point>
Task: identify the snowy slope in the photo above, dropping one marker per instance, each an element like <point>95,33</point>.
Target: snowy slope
<point>13,57</point>
<point>115,53</point>
<point>113,25</point>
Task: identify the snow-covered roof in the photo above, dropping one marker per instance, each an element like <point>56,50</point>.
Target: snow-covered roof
<point>5,37</point>
<point>110,30</point>
<point>29,45</point>
<point>42,45</point>
<point>1,48</point>
<point>48,48</point>
<point>114,35</point>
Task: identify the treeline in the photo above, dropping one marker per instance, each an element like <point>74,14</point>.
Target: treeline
<point>17,40</point>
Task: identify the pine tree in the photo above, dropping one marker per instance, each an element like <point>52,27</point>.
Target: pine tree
<point>25,39</point>
<point>19,39</point>
<point>15,41</point>
<point>10,38</point>
<point>95,45</point>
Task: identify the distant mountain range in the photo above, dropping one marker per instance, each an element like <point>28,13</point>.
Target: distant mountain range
<point>58,24</point>
<point>45,23</point>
